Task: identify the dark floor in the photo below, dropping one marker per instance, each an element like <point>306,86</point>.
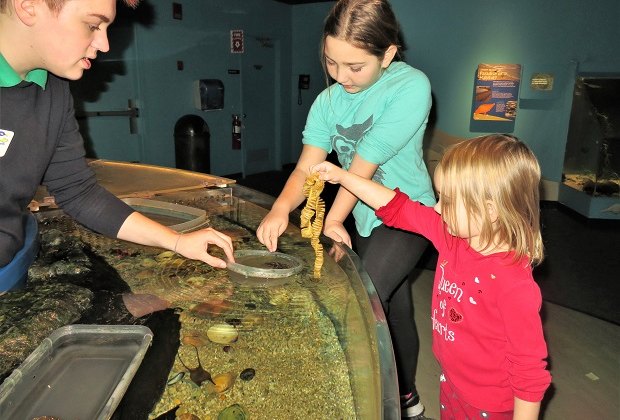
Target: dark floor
<point>582,262</point>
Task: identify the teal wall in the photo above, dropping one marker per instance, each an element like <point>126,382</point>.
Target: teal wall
<point>448,39</point>
<point>202,41</point>
<point>307,21</point>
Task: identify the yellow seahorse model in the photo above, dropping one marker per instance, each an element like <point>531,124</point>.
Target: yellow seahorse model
<point>315,207</point>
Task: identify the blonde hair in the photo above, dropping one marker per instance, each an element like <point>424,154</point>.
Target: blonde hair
<point>57,5</point>
<point>502,169</point>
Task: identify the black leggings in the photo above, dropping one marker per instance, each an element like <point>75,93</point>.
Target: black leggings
<point>389,255</point>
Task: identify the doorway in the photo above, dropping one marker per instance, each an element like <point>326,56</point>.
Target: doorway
<point>261,102</point>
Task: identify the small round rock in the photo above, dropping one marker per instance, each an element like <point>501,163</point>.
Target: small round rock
<point>247,374</point>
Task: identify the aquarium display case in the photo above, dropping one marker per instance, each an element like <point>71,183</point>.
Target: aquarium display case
<point>222,348</point>
<point>590,180</point>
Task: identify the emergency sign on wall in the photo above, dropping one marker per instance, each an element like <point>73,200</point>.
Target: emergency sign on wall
<point>236,41</point>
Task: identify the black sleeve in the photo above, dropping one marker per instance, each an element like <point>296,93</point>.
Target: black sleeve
<point>73,183</point>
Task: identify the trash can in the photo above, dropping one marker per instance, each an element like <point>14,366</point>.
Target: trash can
<point>192,140</point>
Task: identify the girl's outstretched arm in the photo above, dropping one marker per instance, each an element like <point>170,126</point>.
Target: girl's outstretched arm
<point>371,193</point>
<point>345,202</point>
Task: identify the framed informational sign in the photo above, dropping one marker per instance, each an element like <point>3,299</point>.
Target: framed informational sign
<point>496,96</point>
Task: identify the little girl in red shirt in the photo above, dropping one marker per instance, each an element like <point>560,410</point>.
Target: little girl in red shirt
<point>487,332</point>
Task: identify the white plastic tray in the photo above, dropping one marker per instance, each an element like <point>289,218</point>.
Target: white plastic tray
<point>78,372</point>
<point>175,216</point>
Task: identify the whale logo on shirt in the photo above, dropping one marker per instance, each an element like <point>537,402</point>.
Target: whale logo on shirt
<point>345,144</point>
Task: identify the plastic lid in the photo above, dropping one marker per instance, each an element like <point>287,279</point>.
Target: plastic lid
<point>252,265</point>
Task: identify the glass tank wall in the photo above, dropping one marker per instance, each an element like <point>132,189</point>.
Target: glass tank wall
<point>591,180</point>
<point>307,348</point>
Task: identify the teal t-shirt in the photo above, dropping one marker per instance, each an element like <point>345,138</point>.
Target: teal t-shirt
<point>385,125</point>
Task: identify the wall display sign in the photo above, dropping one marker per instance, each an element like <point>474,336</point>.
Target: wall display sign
<point>236,41</point>
<point>496,93</point>
<point>541,81</point>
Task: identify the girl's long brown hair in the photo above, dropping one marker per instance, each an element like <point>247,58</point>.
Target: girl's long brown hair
<point>366,24</point>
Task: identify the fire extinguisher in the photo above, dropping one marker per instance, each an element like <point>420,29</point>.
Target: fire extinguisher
<point>236,132</point>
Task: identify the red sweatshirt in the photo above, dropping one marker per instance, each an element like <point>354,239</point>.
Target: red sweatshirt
<point>487,332</point>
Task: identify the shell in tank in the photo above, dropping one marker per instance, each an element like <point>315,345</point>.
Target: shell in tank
<point>233,412</point>
<point>224,381</point>
<point>223,333</point>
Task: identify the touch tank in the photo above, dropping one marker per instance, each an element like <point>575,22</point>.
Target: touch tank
<point>222,349</point>
<point>590,179</point>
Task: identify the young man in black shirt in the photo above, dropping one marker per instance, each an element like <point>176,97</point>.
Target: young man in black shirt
<point>43,42</point>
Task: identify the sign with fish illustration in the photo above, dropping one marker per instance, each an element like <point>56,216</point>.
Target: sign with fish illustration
<point>496,93</point>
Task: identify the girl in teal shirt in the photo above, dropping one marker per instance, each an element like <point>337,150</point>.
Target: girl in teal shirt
<point>374,117</point>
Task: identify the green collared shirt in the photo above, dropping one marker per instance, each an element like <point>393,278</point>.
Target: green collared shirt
<point>9,78</point>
